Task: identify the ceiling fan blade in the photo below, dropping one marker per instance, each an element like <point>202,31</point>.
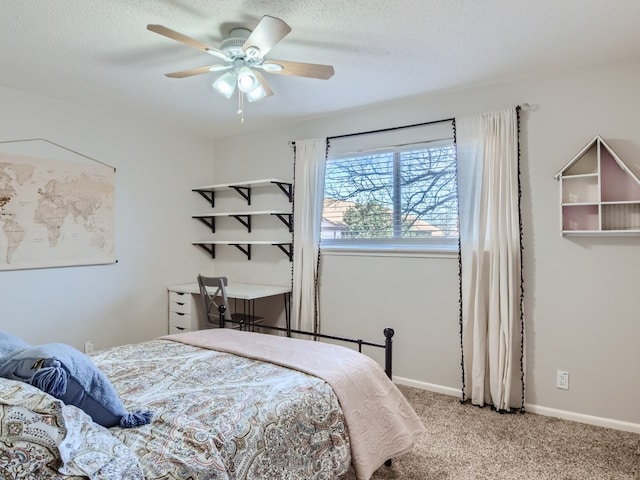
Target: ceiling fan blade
<point>198,71</point>
<point>263,83</point>
<point>310,70</point>
<point>261,91</point>
<point>173,35</point>
<point>268,32</point>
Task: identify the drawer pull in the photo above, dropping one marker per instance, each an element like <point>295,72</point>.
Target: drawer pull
<point>181,328</point>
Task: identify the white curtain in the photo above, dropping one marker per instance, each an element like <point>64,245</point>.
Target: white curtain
<point>310,162</point>
<point>490,256</point>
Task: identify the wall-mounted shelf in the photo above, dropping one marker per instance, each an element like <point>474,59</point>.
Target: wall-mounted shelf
<point>245,246</point>
<point>599,194</point>
<point>244,189</point>
<point>209,219</point>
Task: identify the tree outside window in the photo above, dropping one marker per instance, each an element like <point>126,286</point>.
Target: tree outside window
<point>396,197</point>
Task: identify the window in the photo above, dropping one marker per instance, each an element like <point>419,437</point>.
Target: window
<point>395,198</point>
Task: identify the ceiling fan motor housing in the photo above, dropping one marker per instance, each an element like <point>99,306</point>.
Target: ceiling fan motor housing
<point>232,45</point>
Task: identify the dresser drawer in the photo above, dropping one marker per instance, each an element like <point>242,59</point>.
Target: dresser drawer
<point>180,307</point>
<point>174,329</point>
<point>180,320</point>
<point>179,297</point>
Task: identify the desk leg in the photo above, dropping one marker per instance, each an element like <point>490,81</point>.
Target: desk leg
<point>287,312</point>
<point>249,310</point>
<point>252,313</point>
<point>249,306</point>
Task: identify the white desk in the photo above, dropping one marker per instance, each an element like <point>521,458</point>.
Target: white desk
<point>183,314</point>
<point>243,291</point>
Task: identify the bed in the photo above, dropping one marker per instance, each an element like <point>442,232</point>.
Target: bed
<point>226,404</point>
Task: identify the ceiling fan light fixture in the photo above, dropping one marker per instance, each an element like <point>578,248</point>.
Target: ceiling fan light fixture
<point>247,81</point>
<point>226,84</point>
<point>256,94</point>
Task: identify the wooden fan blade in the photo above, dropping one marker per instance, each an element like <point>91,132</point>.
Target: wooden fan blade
<point>310,70</point>
<point>268,32</point>
<point>263,83</point>
<point>179,37</point>
<point>198,71</point>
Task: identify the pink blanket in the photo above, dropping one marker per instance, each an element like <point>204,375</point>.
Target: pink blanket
<point>380,421</point>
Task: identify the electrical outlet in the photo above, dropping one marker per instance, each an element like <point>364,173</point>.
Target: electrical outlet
<point>562,379</point>
<point>88,346</point>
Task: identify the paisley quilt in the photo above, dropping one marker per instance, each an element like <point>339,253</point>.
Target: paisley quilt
<point>218,414</point>
<point>221,416</point>
<point>380,422</point>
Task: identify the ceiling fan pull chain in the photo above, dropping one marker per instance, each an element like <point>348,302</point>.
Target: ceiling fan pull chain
<point>241,106</point>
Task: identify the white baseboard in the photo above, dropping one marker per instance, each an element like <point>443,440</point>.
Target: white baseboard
<point>582,418</point>
<point>454,392</point>
<point>537,409</point>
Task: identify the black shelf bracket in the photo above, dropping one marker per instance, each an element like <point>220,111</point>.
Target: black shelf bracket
<point>209,247</point>
<point>286,189</point>
<point>287,248</point>
<point>244,248</point>
<point>209,195</point>
<point>244,220</point>
<point>286,219</point>
<point>244,192</point>
<point>209,222</point>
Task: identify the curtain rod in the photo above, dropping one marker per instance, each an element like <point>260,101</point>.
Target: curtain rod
<point>390,129</point>
<point>524,107</point>
<point>292,142</point>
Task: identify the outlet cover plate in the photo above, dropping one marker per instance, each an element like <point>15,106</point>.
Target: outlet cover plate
<point>562,379</point>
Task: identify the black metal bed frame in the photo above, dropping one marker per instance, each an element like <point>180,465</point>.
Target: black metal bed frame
<point>387,345</point>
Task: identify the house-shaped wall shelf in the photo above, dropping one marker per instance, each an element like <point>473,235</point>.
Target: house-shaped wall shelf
<point>599,194</point>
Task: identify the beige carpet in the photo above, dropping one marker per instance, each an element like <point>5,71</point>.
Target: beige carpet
<point>466,442</point>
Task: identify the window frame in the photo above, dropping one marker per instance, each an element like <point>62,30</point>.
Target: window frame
<point>395,245</point>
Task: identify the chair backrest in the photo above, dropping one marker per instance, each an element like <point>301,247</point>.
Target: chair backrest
<point>213,294</point>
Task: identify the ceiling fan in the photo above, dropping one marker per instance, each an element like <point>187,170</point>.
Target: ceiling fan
<point>243,54</point>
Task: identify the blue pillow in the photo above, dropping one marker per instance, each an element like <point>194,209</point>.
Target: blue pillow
<point>9,344</point>
<point>70,375</point>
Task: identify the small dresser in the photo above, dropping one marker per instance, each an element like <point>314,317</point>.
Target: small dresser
<point>183,314</point>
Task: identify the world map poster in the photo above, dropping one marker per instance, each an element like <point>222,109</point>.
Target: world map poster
<point>55,213</point>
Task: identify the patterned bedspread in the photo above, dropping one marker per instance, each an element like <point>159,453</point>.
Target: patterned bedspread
<point>380,421</point>
<point>221,416</point>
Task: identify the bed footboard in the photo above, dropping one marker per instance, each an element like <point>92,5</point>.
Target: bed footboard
<point>387,345</point>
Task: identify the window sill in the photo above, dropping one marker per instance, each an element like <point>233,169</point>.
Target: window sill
<point>390,251</point>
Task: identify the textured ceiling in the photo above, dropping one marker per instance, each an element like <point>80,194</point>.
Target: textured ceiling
<point>99,52</point>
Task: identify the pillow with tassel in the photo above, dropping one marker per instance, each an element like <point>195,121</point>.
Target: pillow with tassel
<point>71,376</point>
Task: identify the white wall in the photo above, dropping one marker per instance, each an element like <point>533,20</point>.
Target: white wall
<point>156,168</point>
<point>581,300</point>
<point>582,306</point>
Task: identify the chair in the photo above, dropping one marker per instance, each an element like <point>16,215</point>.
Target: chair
<point>214,294</point>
